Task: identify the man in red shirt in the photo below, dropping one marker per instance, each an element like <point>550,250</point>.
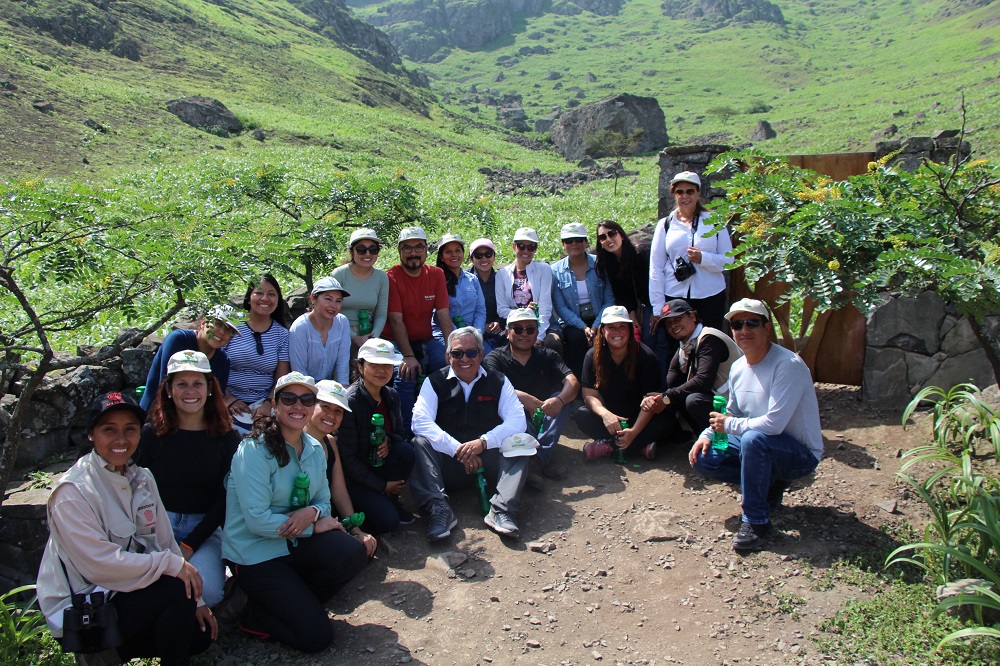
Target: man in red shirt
<point>415,292</point>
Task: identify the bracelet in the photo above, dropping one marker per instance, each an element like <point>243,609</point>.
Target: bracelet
<point>410,356</point>
<point>561,401</point>
<point>230,404</point>
<point>187,546</point>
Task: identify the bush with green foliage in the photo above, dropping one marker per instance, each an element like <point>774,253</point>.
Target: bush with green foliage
<point>24,636</point>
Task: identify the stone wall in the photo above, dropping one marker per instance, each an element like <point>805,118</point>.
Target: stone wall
<point>674,159</point>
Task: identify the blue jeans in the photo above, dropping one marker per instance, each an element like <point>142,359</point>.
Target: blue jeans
<point>754,461</point>
<point>207,559</point>
<point>552,427</point>
<point>407,388</point>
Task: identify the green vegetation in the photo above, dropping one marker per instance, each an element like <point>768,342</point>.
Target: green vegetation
<point>24,637</point>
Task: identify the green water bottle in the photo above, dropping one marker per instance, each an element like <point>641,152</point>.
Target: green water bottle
<point>352,521</point>
<point>720,440</point>
<point>538,421</point>
<point>534,306</point>
<point>364,322</point>
<point>484,496</point>
<point>300,492</point>
<point>459,321</point>
<point>139,392</point>
<point>375,440</point>
<point>619,454</point>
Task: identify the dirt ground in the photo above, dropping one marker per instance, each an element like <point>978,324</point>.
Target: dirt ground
<point>627,565</point>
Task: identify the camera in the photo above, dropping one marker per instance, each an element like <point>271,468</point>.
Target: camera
<point>90,625</point>
<point>683,269</point>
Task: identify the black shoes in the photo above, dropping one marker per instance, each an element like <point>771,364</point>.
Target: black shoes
<point>751,537</point>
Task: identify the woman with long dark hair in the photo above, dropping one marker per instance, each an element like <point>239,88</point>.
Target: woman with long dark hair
<point>625,267</point>
<point>617,374</point>
<point>466,304</point>
<point>259,354</point>
<point>289,559</point>
<point>188,445</point>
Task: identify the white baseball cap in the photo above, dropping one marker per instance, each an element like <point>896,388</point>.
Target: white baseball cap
<point>526,234</point>
<point>333,393</point>
<point>686,177</point>
<point>573,230</point>
<point>450,238</point>
<point>329,284</point>
<point>518,445</point>
<point>521,314</point>
<point>751,305</point>
<point>227,314</point>
<point>363,233</point>
<point>377,350</point>
<point>411,233</point>
<point>295,378</point>
<point>188,361</point>
<point>615,314</point>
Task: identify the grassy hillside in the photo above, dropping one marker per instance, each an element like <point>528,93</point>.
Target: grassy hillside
<point>837,73</point>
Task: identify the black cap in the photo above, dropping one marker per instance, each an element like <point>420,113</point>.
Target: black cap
<point>111,401</point>
<point>674,308</point>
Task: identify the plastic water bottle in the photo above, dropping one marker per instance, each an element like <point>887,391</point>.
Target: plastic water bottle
<point>484,496</point>
<point>534,306</point>
<point>300,492</point>
<point>139,392</point>
<point>352,521</point>
<point>720,440</point>
<point>375,440</point>
<point>619,454</point>
<point>364,322</point>
<point>459,321</point>
<point>538,421</point>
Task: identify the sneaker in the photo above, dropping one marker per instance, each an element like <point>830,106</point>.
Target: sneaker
<point>554,471</point>
<point>601,448</point>
<point>440,520</point>
<point>107,657</point>
<point>405,517</point>
<point>649,451</point>
<point>776,493</point>
<point>228,611</point>
<point>502,523</point>
<point>751,537</point>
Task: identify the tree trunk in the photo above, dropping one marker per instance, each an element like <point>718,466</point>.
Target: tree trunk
<point>990,343</point>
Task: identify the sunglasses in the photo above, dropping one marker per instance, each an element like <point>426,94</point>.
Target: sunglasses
<point>612,233</point>
<point>367,249</point>
<point>524,330</point>
<point>467,353</point>
<point>259,341</point>
<point>485,254</point>
<point>412,249</point>
<point>288,399</point>
<point>686,191</point>
<point>738,324</point>
<point>524,247</point>
<point>574,241</point>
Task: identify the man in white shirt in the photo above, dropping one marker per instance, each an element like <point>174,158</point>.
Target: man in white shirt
<point>461,417</point>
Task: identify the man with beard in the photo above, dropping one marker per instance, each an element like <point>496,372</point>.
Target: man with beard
<point>415,292</point>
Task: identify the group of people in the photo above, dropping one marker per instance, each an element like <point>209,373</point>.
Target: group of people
<point>257,441</point>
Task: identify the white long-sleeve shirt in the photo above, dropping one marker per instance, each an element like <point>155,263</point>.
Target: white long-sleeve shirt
<point>425,411</point>
<point>671,239</point>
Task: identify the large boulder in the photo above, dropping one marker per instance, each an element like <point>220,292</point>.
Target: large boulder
<point>207,114</point>
<point>622,113</point>
<point>718,13</point>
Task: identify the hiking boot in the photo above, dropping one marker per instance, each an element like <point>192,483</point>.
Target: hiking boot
<point>502,523</point>
<point>107,657</point>
<point>776,493</point>
<point>228,611</point>
<point>601,448</point>
<point>554,471</point>
<point>751,537</point>
<point>649,451</point>
<point>440,520</point>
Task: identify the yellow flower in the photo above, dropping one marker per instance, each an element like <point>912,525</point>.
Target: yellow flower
<point>229,181</point>
<point>834,265</point>
<point>976,163</point>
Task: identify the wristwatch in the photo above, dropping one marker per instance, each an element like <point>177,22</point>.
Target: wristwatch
<point>482,438</point>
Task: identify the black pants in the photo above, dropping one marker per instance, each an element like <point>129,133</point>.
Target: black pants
<point>575,347</point>
<point>286,595</point>
<point>159,621</point>
<point>659,428</point>
<point>695,407</point>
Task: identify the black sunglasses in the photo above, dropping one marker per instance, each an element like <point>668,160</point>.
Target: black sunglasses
<point>367,249</point>
<point>737,324</point>
<point>574,241</point>
<point>522,330</point>
<point>288,399</point>
<point>524,247</point>
<point>259,340</point>
<point>688,191</point>
<point>467,353</point>
<point>488,254</point>
<point>612,233</point>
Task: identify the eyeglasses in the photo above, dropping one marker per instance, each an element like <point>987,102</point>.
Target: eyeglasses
<point>367,249</point>
<point>288,399</point>
<point>738,324</point>
<point>574,241</point>
<point>412,249</point>
<point>524,330</point>
<point>612,233</point>
<point>686,191</point>
<point>259,340</point>
<point>524,247</point>
<point>485,254</point>
<point>467,353</point>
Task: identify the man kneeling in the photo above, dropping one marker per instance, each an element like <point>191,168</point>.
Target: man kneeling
<point>772,423</point>
<point>461,417</point>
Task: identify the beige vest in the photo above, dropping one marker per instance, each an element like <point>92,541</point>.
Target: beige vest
<point>722,376</point>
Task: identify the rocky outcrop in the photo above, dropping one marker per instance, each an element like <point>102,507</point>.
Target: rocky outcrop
<point>207,114</point>
<point>763,131</point>
<point>718,13</point>
<point>535,183</point>
<point>89,24</point>
<point>911,152</point>
<point>621,113</point>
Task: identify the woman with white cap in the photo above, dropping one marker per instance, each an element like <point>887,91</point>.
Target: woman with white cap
<point>369,287</point>
<point>687,259</point>
<point>331,403</point>
<point>376,490</point>
<point>288,559</point>
<point>188,445</point>
<point>482,256</point>
<point>466,304</point>
<point>319,342</point>
<point>525,283</point>
<point>579,296</point>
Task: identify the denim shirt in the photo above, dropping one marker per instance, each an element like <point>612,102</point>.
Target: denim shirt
<point>468,302</point>
<point>564,295</point>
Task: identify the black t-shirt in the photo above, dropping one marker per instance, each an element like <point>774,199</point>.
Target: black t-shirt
<point>620,394</point>
<point>541,376</point>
